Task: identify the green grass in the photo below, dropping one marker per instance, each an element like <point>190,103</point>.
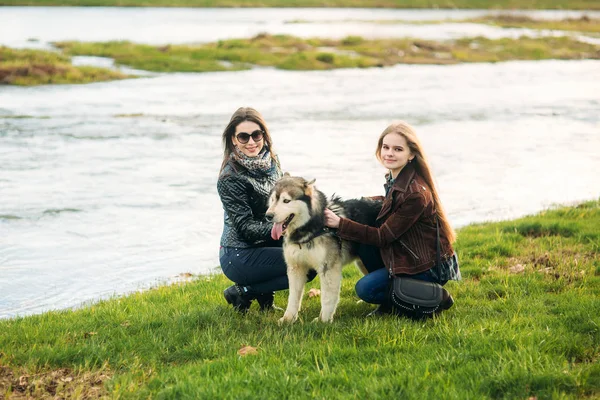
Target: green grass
<point>288,52</point>
<point>477,4</point>
<point>583,24</point>
<point>510,335</point>
<point>37,67</point>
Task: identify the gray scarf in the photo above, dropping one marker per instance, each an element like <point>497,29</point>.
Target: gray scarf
<point>262,162</point>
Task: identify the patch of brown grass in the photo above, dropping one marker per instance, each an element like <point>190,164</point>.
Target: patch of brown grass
<point>37,67</point>
<point>62,383</point>
<point>8,73</point>
<point>511,18</point>
<point>564,264</point>
<point>19,73</point>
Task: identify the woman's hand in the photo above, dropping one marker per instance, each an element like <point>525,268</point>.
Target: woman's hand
<point>331,219</point>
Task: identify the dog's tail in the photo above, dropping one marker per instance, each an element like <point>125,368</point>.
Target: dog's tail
<point>336,204</point>
<point>363,211</point>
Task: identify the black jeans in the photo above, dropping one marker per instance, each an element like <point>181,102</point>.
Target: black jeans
<point>370,256</point>
<point>261,269</point>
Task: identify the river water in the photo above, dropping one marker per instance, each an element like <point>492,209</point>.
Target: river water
<point>36,27</point>
<point>110,187</point>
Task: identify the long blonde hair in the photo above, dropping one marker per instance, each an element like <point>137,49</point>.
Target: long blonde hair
<point>421,165</point>
<point>240,115</point>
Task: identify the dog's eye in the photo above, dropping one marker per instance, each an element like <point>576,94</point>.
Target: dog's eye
<point>286,201</point>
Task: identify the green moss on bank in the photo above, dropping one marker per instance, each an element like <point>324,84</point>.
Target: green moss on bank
<point>36,67</point>
<point>526,324</point>
<point>287,52</point>
<point>449,4</point>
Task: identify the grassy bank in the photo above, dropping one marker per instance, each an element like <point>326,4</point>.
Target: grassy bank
<point>526,324</point>
<point>472,4</point>
<point>508,20</point>
<point>36,67</point>
<point>287,52</point>
<point>583,24</point>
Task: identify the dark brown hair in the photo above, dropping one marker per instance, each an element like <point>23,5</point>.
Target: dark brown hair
<point>421,165</point>
<point>240,115</point>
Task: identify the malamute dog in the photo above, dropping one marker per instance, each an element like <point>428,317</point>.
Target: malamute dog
<point>297,209</point>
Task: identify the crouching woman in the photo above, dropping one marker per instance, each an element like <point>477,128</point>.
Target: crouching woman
<point>248,255</point>
<point>404,241</point>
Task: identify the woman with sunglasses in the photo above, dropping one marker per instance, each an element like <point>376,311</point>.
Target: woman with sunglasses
<point>248,255</point>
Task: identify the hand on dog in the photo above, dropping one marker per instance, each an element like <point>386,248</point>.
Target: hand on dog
<point>331,219</point>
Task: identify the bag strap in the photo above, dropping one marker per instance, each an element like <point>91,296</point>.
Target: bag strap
<point>438,255</point>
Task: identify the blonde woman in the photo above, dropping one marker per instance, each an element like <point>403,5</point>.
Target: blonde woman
<point>404,240</point>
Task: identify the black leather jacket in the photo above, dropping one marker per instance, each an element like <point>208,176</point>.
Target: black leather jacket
<point>245,196</point>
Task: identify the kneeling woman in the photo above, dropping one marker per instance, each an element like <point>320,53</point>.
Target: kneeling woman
<point>405,240</point>
<point>248,255</point>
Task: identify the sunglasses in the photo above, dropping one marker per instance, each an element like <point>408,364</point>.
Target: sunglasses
<point>244,137</point>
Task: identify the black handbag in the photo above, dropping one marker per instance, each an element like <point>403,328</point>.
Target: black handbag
<point>415,298</point>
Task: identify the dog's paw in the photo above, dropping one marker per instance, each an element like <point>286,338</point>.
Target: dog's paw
<point>325,318</point>
<point>286,319</point>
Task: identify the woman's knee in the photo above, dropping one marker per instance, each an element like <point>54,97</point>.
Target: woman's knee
<point>231,272</point>
<point>372,287</point>
<point>365,290</point>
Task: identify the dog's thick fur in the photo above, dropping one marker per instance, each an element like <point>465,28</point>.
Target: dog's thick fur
<point>297,209</point>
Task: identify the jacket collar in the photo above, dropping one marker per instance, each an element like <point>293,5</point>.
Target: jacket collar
<point>403,179</point>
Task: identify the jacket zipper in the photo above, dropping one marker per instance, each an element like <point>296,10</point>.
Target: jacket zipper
<point>409,250</point>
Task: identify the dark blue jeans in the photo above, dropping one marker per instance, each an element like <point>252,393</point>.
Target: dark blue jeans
<point>373,288</point>
<point>259,269</point>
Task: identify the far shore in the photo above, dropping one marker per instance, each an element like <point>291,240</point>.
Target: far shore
<point>412,4</point>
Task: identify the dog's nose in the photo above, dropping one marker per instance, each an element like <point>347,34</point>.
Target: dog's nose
<point>269,216</point>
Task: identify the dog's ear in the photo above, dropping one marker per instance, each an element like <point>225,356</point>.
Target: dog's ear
<point>286,175</point>
<point>309,187</point>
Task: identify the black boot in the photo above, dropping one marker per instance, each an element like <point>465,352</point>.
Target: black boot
<point>382,309</point>
<point>447,301</point>
<point>266,301</point>
<point>240,300</point>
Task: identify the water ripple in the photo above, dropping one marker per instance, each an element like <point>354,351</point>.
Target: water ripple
<point>56,211</point>
<point>9,216</point>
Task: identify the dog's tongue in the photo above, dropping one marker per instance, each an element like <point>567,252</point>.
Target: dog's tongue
<point>277,231</point>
